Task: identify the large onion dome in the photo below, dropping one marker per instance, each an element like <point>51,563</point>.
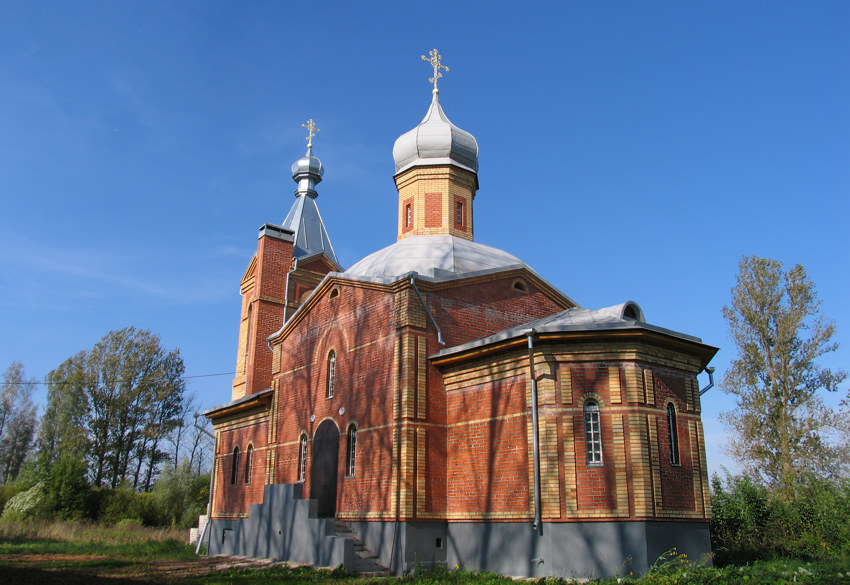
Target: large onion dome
<point>436,141</point>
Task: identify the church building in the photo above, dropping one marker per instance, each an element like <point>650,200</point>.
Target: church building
<point>439,403</point>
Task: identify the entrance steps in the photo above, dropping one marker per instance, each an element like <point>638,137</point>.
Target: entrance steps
<point>366,562</point>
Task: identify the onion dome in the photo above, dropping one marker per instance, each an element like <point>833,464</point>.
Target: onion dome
<point>436,141</point>
<point>307,171</point>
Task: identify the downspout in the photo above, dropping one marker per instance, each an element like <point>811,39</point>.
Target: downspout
<point>285,298</point>
<point>427,311</point>
<point>206,531</point>
<point>286,292</point>
<point>397,494</point>
<point>535,436</point>
<point>710,371</point>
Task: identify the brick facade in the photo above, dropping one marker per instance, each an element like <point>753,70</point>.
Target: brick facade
<point>433,377</point>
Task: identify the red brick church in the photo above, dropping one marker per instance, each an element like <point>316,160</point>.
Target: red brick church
<point>440,403</point>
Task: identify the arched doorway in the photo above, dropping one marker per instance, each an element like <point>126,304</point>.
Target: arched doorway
<point>324,471</point>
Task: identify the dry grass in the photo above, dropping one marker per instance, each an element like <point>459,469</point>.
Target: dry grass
<point>125,532</point>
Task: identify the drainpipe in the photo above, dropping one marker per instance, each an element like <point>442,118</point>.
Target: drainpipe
<point>206,531</point>
<point>286,292</point>
<point>710,371</point>
<point>534,432</point>
<point>427,311</point>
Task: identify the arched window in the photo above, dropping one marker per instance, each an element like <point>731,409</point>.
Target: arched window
<point>331,373</point>
<point>408,215</point>
<point>351,451</point>
<point>592,433</point>
<point>249,459</point>
<point>459,213</point>
<point>673,432</point>
<point>302,458</point>
<point>234,469</point>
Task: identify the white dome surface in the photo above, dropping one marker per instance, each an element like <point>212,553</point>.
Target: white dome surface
<point>436,141</point>
<point>433,256</point>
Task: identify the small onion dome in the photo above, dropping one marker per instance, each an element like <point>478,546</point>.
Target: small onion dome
<point>436,141</point>
<point>307,171</point>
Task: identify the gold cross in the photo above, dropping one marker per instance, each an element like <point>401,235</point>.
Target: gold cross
<point>435,63</point>
<point>312,129</point>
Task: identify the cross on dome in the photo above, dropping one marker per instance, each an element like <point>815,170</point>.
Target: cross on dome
<point>312,129</point>
<point>436,63</point>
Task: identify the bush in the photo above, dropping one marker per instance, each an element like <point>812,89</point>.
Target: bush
<point>25,505</point>
<point>181,496</point>
<point>66,487</point>
<point>751,523</point>
<point>111,506</point>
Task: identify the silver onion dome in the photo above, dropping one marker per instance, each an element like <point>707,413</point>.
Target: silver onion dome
<point>436,141</point>
<point>307,171</point>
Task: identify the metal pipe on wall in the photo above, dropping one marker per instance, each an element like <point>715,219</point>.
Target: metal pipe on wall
<point>535,435</point>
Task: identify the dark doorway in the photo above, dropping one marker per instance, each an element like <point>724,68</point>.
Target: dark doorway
<point>324,471</point>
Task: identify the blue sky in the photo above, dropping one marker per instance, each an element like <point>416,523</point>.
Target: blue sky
<point>628,151</point>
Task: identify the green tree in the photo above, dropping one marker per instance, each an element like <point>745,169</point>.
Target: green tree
<point>779,421</point>
<point>63,431</point>
<point>126,395</point>
<point>17,421</point>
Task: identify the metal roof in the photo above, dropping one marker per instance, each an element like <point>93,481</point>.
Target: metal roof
<point>304,219</point>
<point>433,255</point>
<point>436,141</point>
<point>311,237</point>
<point>624,316</point>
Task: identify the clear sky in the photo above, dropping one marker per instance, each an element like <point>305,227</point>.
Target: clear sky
<point>628,151</point>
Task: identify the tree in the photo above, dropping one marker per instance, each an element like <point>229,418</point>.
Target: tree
<point>779,420</point>
<point>17,421</point>
<point>126,393</point>
<point>63,429</point>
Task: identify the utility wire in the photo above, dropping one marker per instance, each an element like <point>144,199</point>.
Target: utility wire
<point>36,383</point>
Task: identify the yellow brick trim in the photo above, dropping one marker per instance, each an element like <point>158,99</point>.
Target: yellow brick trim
<point>614,384</point>
<point>566,379</point>
<point>649,386</point>
<point>654,463</point>
<point>421,377</point>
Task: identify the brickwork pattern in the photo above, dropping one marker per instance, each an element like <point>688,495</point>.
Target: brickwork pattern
<point>433,193</point>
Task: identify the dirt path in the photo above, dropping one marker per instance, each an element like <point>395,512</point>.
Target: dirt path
<point>45,569</point>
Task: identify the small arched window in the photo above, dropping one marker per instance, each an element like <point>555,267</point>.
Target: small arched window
<point>331,373</point>
<point>673,433</point>
<point>408,215</point>
<point>234,469</point>
<point>459,213</point>
<point>592,433</point>
<point>302,458</point>
<point>351,451</point>
<point>249,460</point>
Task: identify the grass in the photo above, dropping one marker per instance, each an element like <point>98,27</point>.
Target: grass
<point>44,553</point>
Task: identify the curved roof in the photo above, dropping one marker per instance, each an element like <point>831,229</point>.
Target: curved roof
<point>433,256</point>
<point>436,141</point>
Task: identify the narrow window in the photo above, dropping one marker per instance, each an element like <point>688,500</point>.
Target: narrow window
<point>460,214</point>
<point>302,458</point>
<point>331,373</point>
<point>673,433</point>
<point>592,433</point>
<point>408,215</point>
<point>234,470</point>
<point>249,459</point>
<point>350,452</point>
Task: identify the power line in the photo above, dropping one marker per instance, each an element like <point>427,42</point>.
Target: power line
<point>36,383</point>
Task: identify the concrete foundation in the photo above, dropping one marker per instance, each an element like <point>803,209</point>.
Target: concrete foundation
<point>286,527</point>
